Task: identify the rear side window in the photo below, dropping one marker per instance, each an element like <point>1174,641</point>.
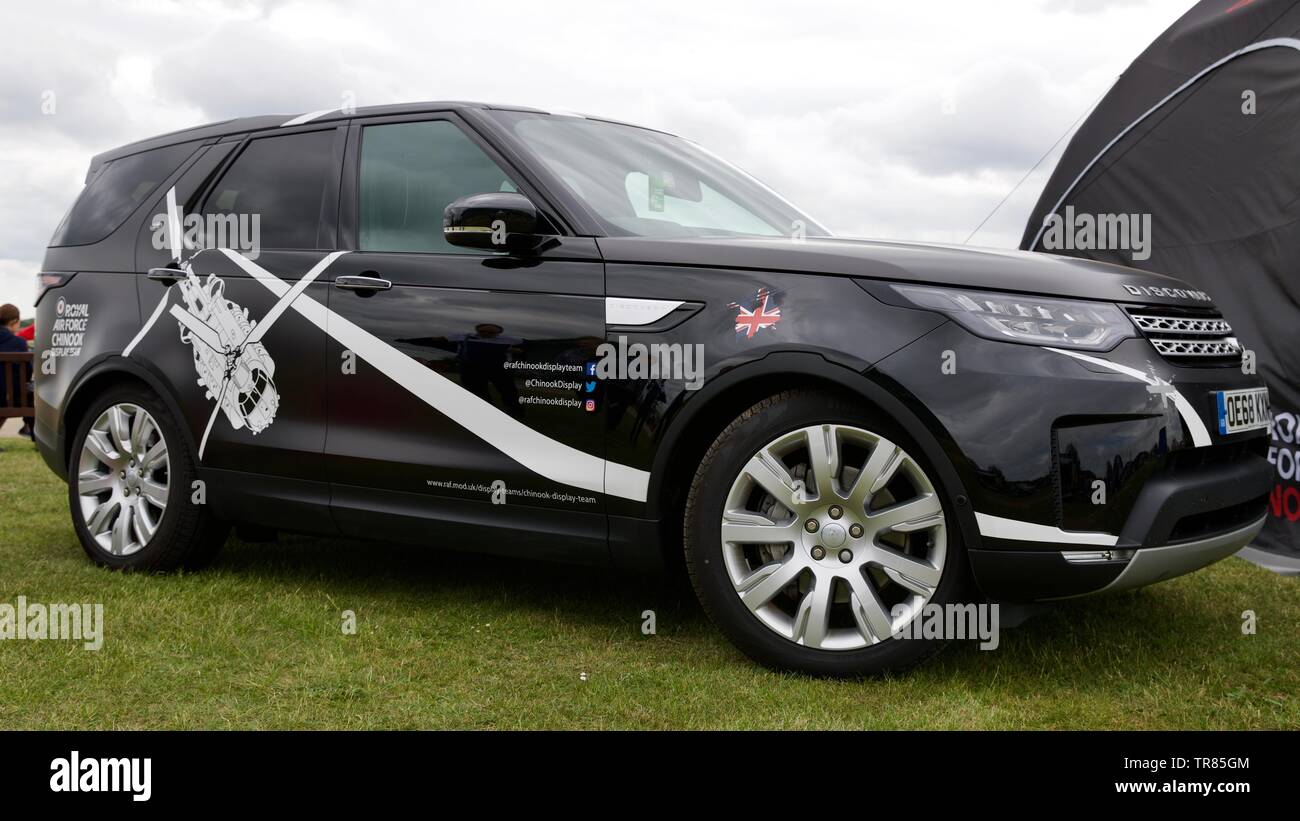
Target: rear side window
<point>117,190</point>
<point>281,181</point>
<point>410,173</point>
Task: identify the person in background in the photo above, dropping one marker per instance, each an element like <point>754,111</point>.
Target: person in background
<point>11,342</point>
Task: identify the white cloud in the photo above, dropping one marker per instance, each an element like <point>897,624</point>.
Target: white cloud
<point>839,105</point>
<point>17,283</point>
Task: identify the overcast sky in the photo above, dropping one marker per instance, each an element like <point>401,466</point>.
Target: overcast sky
<point>883,119</point>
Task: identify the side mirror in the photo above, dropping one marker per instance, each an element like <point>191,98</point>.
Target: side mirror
<point>500,221</point>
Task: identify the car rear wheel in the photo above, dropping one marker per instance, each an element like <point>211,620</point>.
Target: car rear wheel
<point>130,487</point>
<point>815,533</point>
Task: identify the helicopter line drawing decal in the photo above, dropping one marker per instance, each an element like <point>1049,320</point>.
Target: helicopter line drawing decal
<point>232,364</point>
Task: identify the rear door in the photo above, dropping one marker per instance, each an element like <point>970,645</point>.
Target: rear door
<point>246,365</point>
<point>461,405</point>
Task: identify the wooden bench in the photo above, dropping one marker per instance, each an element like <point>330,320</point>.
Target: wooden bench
<point>15,385</point>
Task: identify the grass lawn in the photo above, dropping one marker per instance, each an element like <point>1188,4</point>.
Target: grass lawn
<point>456,641</point>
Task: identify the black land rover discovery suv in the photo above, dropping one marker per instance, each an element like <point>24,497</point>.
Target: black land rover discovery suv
<point>562,337</point>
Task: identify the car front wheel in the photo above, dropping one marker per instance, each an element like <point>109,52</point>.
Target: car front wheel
<point>815,533</point>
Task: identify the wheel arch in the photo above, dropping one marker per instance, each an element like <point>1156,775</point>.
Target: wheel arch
<point>101,375</point>
<point>703,416</point>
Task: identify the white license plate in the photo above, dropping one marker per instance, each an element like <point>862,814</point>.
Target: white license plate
<point>1242,410</point>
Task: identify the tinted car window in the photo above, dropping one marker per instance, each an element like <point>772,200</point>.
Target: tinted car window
<point>282,181</point>
<point>117,190</point>
<point>410,172</point>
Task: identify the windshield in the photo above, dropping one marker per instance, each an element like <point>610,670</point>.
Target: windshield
<point>642,183</point>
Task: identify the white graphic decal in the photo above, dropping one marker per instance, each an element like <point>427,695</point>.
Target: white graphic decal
<point>536,451</point>
<point>68,334</point>
<point>235,358</point>
<point>225,359</point>
<point>237,344</point>
<point>308,117</point>
<point>157,312</point>
<point>999,528</point>
<point>1157,387</point>
<point>233,365</point>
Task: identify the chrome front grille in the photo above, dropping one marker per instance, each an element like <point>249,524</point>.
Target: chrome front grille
<point>1195,347</point>
<point>1186,336</point>
<point>1182,325</point>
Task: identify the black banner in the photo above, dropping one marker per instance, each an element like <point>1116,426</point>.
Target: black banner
<point>1201,138</point>
<point>609,773</point>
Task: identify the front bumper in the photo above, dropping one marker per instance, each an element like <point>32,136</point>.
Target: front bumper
<point>1156,564</point>
<point>1080,477</point>
<point>1181,522</point>
<point>1022,576</point>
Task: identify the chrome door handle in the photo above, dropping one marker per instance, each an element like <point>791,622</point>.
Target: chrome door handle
<point>166,276</point>
<point>362,283</point>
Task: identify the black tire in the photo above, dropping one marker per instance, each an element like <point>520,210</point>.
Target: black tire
<point>733,448</point>
<point>188,535</point>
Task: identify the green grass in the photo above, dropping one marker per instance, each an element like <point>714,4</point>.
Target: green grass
<point>449,640</point>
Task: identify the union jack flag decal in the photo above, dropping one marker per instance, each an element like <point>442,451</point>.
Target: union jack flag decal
<point>762,313</point>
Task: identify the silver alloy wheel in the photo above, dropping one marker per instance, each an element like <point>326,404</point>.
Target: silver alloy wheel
<point>123,479</point>
<point>833,537</point>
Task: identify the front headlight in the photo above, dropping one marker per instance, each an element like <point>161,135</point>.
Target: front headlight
<point>1061,323</point>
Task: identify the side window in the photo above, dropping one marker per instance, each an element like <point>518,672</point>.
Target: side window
<point>282,182</point>
<point>117,190</point>
<point>410,173</point>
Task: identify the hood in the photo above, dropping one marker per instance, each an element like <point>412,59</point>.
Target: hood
<point>957,265</point>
